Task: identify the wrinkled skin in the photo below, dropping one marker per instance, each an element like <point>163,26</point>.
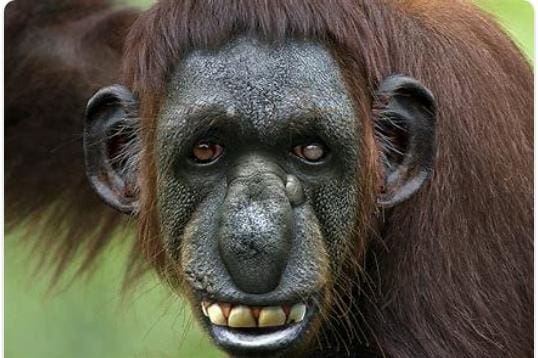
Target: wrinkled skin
<point>239,235</point>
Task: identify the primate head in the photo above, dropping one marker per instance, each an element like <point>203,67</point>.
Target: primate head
<point>264,174</point>
<point>276,156</point>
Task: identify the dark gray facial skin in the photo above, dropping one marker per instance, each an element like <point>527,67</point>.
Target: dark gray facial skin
<point>259,226</point>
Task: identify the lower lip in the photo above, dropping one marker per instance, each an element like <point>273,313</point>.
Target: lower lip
<point>246,341</point>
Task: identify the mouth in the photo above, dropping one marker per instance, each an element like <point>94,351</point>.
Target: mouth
<point>243,329</point>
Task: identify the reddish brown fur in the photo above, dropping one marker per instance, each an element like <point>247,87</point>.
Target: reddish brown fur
<point>58,52</point>
<point>448,273</point>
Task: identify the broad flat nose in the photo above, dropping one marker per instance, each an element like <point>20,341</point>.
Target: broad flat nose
<point>255,231</point>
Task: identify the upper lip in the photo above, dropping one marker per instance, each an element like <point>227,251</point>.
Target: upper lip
<point>277,297</point>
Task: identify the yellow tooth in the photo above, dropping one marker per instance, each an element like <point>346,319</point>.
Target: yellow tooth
<point>271,316</point>
<point>240,316</point>
<point>204,310</point>
<point>215,315</point>
<point>297,313</point>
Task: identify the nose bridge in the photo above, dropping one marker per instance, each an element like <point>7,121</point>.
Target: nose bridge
<point>256,167</point>
<point>256,227</point>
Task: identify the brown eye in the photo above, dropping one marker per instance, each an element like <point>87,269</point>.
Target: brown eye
<point>313,152</point>
<point>206,152</point>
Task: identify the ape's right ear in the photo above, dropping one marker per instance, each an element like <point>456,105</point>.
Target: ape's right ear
<point>111,147</point>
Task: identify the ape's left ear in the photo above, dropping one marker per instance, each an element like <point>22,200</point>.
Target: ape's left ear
<point>405,126</point>
<point>111,147</point>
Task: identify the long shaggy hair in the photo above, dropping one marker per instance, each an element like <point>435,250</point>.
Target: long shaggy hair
<point>449,271</point>
<point>57,54</point>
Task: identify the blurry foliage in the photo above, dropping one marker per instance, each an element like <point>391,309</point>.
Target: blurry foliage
<point>90,319</point>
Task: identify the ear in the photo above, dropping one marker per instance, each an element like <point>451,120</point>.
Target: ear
<point>111,147</point>
<point>405,126</point>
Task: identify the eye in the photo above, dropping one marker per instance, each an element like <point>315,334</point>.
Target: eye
<point>313,152</point>
<point>204,152</point>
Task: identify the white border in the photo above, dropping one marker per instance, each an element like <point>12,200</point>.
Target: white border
<point>5,2</point>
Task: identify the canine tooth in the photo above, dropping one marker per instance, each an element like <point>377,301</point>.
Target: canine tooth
<point>240,316</point>
<point>271,317</point>
<point>215,315</point>
<point>297,313</point>
<point>204,310</point>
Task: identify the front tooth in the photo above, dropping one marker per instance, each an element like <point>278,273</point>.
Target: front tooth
<point>297,313</point>
<point>271,316</point>
<point>240,317</point>
<point>215,315</point>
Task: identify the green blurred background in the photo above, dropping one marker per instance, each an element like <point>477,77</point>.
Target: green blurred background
<point>90,319</point>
